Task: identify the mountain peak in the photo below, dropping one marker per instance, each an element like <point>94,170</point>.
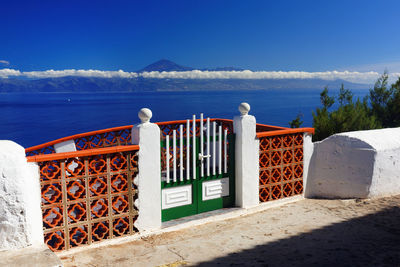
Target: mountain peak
<point>165,65</point>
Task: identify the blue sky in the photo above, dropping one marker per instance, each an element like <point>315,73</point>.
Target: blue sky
<point>258,35</point>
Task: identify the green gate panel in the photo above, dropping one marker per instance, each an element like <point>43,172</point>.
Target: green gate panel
<point>198,205</point>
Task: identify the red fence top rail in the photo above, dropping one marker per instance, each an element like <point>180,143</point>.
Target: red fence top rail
<point>82,153</point>
<point>29,149</point>
<point>286,131</point>
<point>72,137</point>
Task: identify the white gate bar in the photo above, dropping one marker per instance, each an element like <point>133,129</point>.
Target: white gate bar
<point>194,147</point>
<point>220,149</point>
<point>208,146</point>
<point>167,156</point>
<point>201,145</point>
<point>214,141</point>
<point>174,149</point>
<point>181,152</point>
<point>225,151</point>
<point>187,150</point>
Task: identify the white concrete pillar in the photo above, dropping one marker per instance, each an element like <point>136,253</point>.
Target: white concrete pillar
<point>308,149</point>
<point>20,199</point>
<point>246,158</point>
<point>148,180</point>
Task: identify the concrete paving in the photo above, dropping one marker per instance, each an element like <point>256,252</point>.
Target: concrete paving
<point>304,233</point>
<point>40,256</point>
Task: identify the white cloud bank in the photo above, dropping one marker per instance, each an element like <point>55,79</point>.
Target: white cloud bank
<point>5,73</point>
<point>361,77</point>
<point>4,62</point>
<point>351,76</point>
<point>79,73</point>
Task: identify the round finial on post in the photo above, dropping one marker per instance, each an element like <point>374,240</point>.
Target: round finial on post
<point>145,115</point>
<point>244,108</point>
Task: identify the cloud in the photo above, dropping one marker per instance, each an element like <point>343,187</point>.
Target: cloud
<point>79,73</point>
<point>5,73</point>
<point>5,62</point>
<point>351,76</point>
<point>361,77</point>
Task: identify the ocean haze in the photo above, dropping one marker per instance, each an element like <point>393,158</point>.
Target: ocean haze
<point>93,84</point>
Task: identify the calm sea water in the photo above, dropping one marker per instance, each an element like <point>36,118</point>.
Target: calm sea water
<point>34,118</point>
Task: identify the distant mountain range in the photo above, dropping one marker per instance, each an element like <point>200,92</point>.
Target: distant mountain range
<point>140,84</point>
<point>167,65</point>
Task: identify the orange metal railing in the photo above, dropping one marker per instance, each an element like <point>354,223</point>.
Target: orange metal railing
<point>96,139</point>
<point>117,136</point>
<point>281,163</point>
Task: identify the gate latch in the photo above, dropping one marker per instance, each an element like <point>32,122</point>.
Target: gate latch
<point>201,156</point>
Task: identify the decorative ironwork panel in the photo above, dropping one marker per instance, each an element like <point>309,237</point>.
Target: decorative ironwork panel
<point>88,199</point>
<point>281,166</point>
<point>115,137</point>
<point>41,151</point>
<point>98,139</point>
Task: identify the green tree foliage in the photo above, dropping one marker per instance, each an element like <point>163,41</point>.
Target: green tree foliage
<point>381,108</point>
<point>321,120</point>
<point>380,97</point>
<point>349,116</point>
<point>393,106</point>
<point>297,122</point>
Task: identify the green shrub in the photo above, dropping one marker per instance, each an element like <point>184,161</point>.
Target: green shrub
<point>380,109</point>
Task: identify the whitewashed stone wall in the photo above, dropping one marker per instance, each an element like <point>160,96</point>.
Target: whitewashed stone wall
<point>359,164</point>
<point>308,149</point>
<point>20,212</point>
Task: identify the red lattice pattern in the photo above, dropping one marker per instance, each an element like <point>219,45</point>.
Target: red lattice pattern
<point>88,199</point>
<point>114,138</point>
<point>281,166</point>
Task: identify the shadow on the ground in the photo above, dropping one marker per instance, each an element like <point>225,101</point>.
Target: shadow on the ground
<point>372,240</point>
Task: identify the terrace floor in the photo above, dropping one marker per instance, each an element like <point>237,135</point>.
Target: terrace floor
<point>303,233</point>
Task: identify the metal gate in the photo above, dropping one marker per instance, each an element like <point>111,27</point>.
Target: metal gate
<point>197,169</point>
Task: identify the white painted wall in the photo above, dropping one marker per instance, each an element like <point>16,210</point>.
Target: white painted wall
<point>148,180</point>
<point>308,149</point>
<point>20,212</point>
<point>246,159</point>
<point>359,164</point>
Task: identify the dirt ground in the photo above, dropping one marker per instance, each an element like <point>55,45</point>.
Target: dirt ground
<point>309,232</point>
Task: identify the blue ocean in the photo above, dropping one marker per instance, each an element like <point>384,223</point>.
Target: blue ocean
<point>34,118</point>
